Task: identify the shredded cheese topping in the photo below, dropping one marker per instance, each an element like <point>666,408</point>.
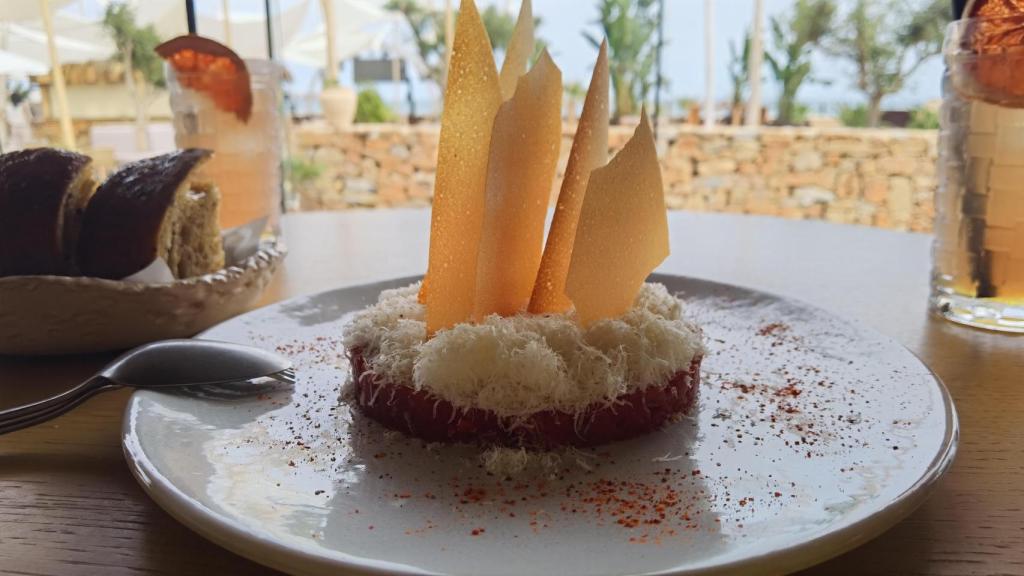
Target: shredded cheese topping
<point>523,364</point>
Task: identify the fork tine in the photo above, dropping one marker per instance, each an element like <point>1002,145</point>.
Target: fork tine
<point>285,376</point>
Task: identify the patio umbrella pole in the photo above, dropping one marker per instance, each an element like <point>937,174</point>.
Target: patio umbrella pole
<point>449,36</point>
<point>270,30</point>
<point>755,64</point>
<point>709,63</point>
<point>190,15</point>
<point>67,134</point>
<point>331,70</point>
<point>657,66</point>
<point>226,8</point>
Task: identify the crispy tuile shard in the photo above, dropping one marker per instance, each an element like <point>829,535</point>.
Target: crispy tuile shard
<point>472,98</point>
<point>589,152</point>
<point>623,231</point>
<point>523,157</point>
<point>520,49</point>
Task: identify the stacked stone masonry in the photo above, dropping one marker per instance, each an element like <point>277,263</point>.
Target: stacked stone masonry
<point>883,178</point>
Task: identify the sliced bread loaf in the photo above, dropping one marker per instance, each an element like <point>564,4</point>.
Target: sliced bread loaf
<point>153,208</point>
<point>43,193</point>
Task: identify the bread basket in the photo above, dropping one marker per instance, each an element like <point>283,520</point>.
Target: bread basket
<point>43,315</point>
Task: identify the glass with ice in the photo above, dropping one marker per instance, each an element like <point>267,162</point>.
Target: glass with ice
<point>978,274</point>
<point>246,165</point>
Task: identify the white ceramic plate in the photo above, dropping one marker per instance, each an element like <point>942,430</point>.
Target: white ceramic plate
<point>813,435</point>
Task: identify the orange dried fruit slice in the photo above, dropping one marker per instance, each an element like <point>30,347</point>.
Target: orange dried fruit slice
<point>995,8</point>
<point>212,68</point>
<point>995,39</point>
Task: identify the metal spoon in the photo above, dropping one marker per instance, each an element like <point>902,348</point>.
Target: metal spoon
<point>166,364</point>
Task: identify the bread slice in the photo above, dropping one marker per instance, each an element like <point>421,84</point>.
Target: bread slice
<point>43,194</point>
<point>198,249</point>
<point>153,208</point>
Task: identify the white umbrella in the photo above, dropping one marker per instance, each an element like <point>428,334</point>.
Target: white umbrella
<point>23,10</point>
<point>310,50</point>
<point>19,10</point>
<point>359,26</point>
<point>75,40</point>
<point>247,28</point>
<point>13,65</point>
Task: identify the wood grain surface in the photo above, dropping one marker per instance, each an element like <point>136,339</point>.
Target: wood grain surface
<point>69,506</point>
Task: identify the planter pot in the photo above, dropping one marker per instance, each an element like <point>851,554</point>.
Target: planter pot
<point>339,106</point>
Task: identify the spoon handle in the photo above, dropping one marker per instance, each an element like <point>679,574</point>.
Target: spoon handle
<point>43,410</point>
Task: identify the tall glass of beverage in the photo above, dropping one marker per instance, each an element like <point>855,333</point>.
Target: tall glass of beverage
<point>978,275</point>
<point>246,164</point>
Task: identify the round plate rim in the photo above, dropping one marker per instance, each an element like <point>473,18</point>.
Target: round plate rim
<point>235,537</point>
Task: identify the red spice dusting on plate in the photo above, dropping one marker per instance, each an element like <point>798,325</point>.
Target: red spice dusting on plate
<point>772,329</point>
<point>790,389</point>
<point>786,401</point>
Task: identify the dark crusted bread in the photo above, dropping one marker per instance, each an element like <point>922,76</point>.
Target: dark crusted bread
<point>43,192</point>
<point>149,209</point>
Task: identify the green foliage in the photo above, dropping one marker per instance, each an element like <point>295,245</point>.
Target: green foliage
<point>134,44</point>
<point>854,116</point>
<point>630,27</point>
<point>371,109</point>
<point>887,42</point>
<point>428,30</point>
<point>427,26</point>
<point>499,25</point>
<point>794,36</point>
<point>575,91</point>
<point>922,118</point>
<point>739,70</point>
<point>18,92</point>
<point>303,172</point>
<point>687,102</point>
<point>799,114</point>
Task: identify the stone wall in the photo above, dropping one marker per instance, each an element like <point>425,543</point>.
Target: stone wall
<point>882,178</point>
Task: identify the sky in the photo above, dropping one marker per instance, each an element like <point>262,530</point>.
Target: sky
<point>564,21</point>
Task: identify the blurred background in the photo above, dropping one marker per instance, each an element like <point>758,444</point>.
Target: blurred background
<point>823,109</point>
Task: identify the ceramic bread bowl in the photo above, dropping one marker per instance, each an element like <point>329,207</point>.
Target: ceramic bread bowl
<point>43,315</point>
<point>139,258</point>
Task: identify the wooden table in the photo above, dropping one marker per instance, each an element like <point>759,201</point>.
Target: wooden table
<point>69,506</point>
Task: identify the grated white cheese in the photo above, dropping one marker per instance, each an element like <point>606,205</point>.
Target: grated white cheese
<point>519,365</point>
<point>513,462</point>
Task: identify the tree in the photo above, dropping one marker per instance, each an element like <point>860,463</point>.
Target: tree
<point>887,42</point>
<point>922,118</point>
<point>630,27</point>
<point>499,25</point>
<point>794,37</point>
<point>370,108</point>
<point>427,26</point>
<point>428,31</point>
<point>739,72</point>
<point>574,94</point>
<point>135,48</point>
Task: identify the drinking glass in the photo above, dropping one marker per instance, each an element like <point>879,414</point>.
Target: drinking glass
<point>978,255</point>
<point>246,164</point>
